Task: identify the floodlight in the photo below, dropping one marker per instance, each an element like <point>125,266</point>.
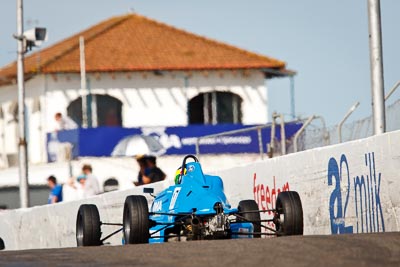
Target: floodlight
<point>36,34</point>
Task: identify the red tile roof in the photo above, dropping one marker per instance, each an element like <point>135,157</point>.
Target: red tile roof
<point>136,43</point>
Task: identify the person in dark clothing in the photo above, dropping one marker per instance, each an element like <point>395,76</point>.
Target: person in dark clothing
<point>149,172</point>
<point>141,160</point>
<point>152,172</point>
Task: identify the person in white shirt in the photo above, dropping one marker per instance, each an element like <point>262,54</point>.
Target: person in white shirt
<point>91,184</point>
<point>64,123</point>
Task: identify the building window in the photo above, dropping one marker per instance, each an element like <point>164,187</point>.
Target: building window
<point>215,107</point>
<point>102,110</point>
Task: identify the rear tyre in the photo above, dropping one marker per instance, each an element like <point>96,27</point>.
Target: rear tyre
<point>288,217</point>
<point>136,220</point>
<point>254,217</point>
<point>88,231</point>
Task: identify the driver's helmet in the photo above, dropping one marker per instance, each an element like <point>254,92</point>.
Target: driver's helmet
<point>179,174</point>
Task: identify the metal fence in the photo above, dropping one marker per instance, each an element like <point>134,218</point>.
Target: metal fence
<point>314,137</point>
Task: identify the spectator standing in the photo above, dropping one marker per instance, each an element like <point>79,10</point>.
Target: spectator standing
<point>149,172</point>
<point>90,183</point>
<point>64,123</point>
<point>55,190</point>
<point>141,161</point>
<point>152,173</point>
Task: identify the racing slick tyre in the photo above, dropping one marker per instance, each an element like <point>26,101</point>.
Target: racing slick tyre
<point>88,231</point>
<point>254,217</point>
<point>288,217</point>
<point>136,220</point>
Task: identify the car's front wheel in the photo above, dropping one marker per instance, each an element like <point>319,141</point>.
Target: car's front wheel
<point>136,220</point>
<point>88,231</point>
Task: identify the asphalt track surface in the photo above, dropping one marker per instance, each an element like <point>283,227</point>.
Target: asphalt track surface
<point>340,250</point>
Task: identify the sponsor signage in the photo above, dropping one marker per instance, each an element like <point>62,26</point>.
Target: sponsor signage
<point>102,141</point>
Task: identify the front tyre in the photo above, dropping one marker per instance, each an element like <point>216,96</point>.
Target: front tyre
<point>288,217</point>
<point>254,217</point>
<point>136,220</point>
<point>88,231</point>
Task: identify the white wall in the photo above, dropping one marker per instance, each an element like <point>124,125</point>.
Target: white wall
<point>36,122</point>
<point>161,100</point>
<point>331,202</point>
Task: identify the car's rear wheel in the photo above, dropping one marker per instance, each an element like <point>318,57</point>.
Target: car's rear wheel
<point>88,231</point>
<point>250,205</point>
<point>136,220</point>
<point>289,214</point>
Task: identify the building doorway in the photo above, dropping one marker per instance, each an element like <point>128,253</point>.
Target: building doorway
<point>107,111</point>
<point>215,108</point>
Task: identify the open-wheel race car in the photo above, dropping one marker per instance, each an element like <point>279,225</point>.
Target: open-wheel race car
<point>195,208</point>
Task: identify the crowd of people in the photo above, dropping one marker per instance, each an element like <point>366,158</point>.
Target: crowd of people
<point>86,184</point>
<point>80,187</point>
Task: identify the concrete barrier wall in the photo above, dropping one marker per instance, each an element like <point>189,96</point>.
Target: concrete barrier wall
<point>53,226</point>
<point>348,188</point>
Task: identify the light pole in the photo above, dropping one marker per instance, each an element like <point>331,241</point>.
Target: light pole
<point>375,47</point>
<point>25,40</point>
<point>22,144</point>
<point>83,82</point>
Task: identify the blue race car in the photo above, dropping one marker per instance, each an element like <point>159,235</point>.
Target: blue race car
<point>195,208</point>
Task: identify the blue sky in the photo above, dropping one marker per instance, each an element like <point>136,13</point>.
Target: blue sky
<point>325,41</point>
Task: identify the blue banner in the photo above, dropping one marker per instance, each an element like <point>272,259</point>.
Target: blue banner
<point>116,141</point>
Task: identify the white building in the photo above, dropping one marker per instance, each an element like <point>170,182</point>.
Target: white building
<point>139,73</point>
